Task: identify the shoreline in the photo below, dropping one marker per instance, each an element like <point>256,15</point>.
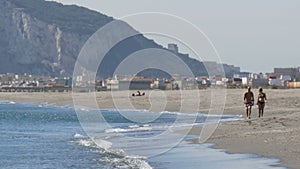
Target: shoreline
<point>274,136</point>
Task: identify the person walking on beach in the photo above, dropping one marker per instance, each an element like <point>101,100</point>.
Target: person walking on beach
<point>261,101</point>
<point>248,101</point>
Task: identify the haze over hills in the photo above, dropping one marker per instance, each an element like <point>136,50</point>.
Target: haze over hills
<point>45,38</point>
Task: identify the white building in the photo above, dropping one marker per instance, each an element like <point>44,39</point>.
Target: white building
<point>275,82</point>
<point>285,78</point>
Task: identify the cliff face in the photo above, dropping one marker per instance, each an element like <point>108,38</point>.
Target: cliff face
<point>34,46</point>
<point>45,38</point>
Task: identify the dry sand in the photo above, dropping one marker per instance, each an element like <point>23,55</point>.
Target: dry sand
<point>276,135</point>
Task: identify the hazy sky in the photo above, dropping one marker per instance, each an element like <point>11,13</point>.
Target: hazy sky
<point>256,35</point>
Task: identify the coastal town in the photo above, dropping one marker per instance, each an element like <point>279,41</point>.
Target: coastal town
<point>230,76</point>
<point>279,79</point>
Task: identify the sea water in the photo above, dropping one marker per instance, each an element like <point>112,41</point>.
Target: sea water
<point>41,135</point>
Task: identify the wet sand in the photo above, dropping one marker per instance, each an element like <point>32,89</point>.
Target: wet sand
<point>276,135</point>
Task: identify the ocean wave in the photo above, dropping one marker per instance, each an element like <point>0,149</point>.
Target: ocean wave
<point>78,136</point>
<point>7,102</point>
<point>130,129</point>
<point>115,158</point>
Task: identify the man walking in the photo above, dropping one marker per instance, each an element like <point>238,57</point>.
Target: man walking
<point>248,101</point>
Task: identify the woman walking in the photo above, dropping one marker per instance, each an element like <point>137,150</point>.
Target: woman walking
<point>261,101</point>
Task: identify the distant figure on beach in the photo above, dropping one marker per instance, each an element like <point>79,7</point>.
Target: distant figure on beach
<point>138,94</point>
<point>248,101</point>
<point>261,101</point>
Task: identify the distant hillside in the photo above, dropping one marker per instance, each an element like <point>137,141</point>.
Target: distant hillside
<point>69,18</point>
<point>45,38</point>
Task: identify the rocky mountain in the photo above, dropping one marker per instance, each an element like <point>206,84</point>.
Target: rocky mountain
<point>44,38</point>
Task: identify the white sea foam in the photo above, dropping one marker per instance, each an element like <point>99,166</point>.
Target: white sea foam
<point>7,102</point>
<point>86,143</point>
<point>117,158</point>
<point>78,136</point>
<point>130,129</point>
<point>134,126</point>
<point>132,163</point>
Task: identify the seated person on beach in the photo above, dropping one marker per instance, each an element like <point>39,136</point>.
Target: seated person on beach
<point>248,101</point>
<point>261,101</point>
<point>138,94</point>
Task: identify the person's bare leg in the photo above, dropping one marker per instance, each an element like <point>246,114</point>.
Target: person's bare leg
<point>249,112</point>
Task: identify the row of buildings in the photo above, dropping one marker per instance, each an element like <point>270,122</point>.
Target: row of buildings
<point>11,82</point>
<point>280,78</point>
<point>142,83</point>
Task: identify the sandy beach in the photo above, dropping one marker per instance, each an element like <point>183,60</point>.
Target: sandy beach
<point>276,135</point>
